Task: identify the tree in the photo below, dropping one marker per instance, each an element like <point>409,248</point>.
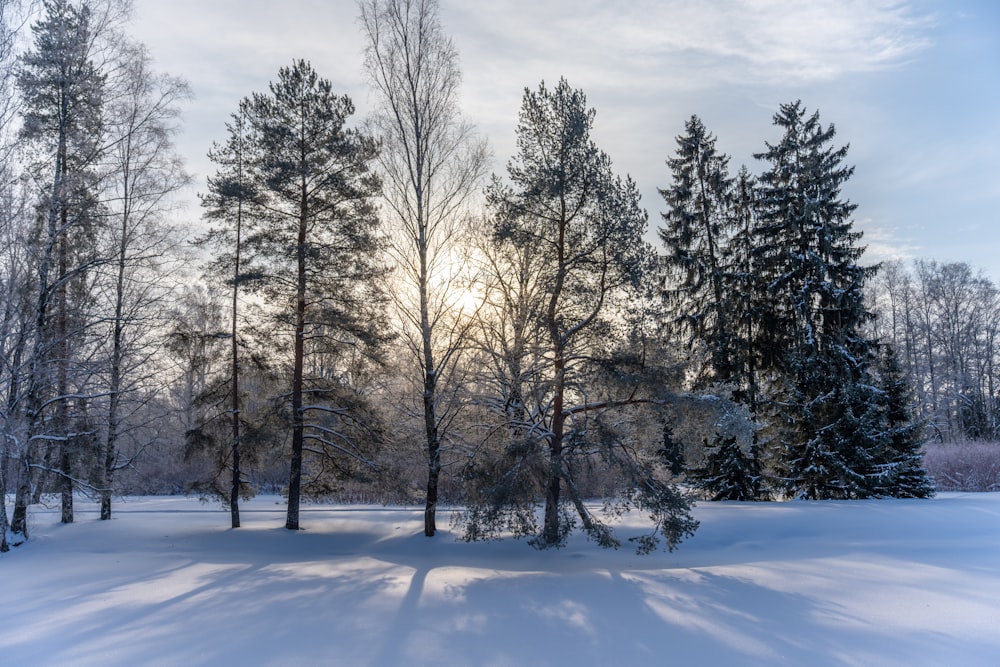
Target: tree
<point>231,197</point>
<point>904,476</point>
<point>144,171</point>
<point>14,283</point>
<point>750,297</point>
<point>431,165</point>
<point>586,226</point>
<point>62,90</point>
<point>806,254</point>
<point>729,473</point>
<point>316,233</point>
<point>958,304</point>
<point>698,225</point>
<point>943,320</point>
<point>711,292</point>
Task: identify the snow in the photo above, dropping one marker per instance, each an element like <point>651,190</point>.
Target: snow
<point>166,582</point>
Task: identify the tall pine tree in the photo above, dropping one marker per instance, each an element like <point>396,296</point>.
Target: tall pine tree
<point>228,204</point>
<point>585,226</point>
<point>316,233</point>
<point>63,94</point>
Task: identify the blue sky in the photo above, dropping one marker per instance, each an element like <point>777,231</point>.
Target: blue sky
<point>912,85</point>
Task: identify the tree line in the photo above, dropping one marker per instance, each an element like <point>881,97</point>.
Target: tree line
<point>943,319</point>
<point>375,311</point>
<point>88,170</point>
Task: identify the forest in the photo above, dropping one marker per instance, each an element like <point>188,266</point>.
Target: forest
<point>363,312</point>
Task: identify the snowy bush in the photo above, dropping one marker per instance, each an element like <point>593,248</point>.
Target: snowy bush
<point>964,466</point>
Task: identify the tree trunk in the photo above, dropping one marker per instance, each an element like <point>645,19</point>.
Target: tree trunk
<point>66,483</point>
<point>114,401</point>
<point>19,518</point>
<point>430,383</point>
<point>298,362</point>
<point>62,361</point>
<point>234,492</point>
<point>433,456</point>
<point>13,396</point>
<point>551,529</point>
<point>3,500</point>
<point>39,362</point>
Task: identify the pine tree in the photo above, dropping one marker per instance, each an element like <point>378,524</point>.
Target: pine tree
<point>585,226</point>
<point>812,337</point>
<point>228,204</point>
<point>63,122</point>
<point>316,234</point>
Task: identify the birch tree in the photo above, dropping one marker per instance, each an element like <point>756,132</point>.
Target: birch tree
<point>431,163</point>
<point>14,328</point>
<point>144,171</point>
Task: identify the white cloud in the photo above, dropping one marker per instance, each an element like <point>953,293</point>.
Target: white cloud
<point>694,45</point>
<point>883,243</point>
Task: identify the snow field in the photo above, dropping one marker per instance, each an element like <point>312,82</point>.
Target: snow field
<point>166,582</point>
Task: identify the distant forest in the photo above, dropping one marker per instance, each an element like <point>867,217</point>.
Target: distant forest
<point>364,313</point>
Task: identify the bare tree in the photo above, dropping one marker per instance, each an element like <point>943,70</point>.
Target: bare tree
<point>432,163</point>
<point>144,171</point>
<point>63,81</point>
<point>13,274</point>
<point>943,319</point>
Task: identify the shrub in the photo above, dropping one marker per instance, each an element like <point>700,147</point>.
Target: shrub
<point>964,466</point>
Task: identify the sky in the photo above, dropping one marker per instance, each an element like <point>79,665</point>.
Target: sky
<point>912,85</point>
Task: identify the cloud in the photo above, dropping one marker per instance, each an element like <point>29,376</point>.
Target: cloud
<point>694,45</point>
<point>646,66</point>
<point>883,243</point>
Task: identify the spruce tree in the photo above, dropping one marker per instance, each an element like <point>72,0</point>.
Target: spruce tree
<point>904,475</point>
<point>697,227</point>
<point>728,472</point>
<point>711,289</point>
<point>749,295</point>
<point>812,337</point>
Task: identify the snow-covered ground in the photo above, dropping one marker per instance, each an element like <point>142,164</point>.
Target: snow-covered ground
<point>803,583</point>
